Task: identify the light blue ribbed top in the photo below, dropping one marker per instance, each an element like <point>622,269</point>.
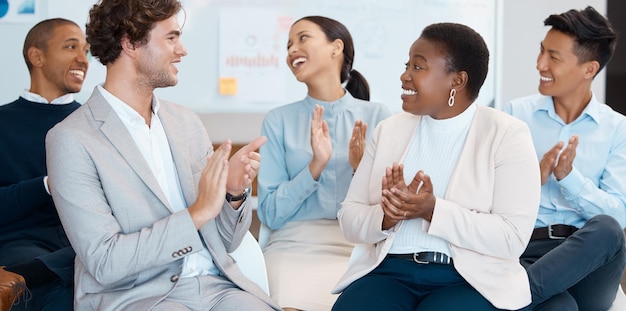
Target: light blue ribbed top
<point>434,148</point>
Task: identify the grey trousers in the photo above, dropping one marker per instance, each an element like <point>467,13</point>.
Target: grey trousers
<point>209,292</point>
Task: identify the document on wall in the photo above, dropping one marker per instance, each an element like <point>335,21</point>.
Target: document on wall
<point>252,59</point>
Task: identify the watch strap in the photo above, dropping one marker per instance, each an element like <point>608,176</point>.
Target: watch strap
<point>231,198</point>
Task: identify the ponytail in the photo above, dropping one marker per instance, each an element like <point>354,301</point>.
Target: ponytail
<point>358,86</point>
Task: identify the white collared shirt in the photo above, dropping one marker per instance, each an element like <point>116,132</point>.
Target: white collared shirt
<point>153,144</point>
<point>36,98</point>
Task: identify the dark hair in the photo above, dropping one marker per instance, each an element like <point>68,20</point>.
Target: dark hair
<point>357,85</point>
<point>111,20</point>
<point>466,51</point>
<point>593,36</point>
<point>40,34</point>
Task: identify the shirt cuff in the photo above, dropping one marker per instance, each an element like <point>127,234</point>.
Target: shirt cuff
<point>573,183</point>
<point>45,184</point>
<point>304,185</point>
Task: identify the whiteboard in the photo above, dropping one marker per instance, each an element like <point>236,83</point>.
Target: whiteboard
<point>382,31</point>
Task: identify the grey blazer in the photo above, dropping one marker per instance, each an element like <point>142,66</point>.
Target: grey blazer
<point>129,243</point>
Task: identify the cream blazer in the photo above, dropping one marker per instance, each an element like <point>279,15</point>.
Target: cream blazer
<point>487,215</point>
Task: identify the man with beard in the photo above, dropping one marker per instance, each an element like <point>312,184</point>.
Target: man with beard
<point>151,210</point>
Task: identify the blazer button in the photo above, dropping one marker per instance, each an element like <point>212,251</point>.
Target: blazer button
<point>174,278</point>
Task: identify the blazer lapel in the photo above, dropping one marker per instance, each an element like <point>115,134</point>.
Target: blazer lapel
<point>115,131</point>
<point>403,136</point>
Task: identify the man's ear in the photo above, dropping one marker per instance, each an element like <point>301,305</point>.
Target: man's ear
<point>35,56</point>
<point>127,46</point>
<point>591,69</point>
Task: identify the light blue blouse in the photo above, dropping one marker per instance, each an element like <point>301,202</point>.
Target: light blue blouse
<point>597,182</point>
<point>287,191</point>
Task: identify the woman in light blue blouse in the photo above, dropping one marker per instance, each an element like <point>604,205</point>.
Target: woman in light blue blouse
<point>313,147</point>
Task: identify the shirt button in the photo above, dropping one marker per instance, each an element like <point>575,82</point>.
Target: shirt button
<point>174,278</point>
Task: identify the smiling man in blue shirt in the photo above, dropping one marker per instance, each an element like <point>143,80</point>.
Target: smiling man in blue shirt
<point>576,255</point>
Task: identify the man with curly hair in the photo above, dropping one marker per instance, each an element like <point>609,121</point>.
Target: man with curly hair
<point>150,209</point>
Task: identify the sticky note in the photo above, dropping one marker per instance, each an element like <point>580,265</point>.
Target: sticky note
<point>228,86</point>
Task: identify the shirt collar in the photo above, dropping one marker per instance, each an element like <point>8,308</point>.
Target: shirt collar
<point>334,105</point>
<point>592,109</point>
<point>124,111</point>
<point>36,98</point>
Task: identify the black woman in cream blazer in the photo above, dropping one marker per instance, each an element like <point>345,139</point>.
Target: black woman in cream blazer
<point>486,216</point>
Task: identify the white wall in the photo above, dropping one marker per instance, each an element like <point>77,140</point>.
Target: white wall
<point>520,24</point>
<point>521,30</point>
<point>521,33</point>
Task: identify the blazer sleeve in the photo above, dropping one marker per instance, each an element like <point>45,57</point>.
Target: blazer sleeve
<point>232,225</point>
<point>108,253</point>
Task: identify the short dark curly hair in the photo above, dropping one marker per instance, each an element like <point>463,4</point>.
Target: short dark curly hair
<point>593,35</point>
<point>466,51</point>
<point>111,20</point>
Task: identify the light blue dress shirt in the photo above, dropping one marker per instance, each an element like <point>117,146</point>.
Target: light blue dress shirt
<point>287,191</point>
<point>597,183</point>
